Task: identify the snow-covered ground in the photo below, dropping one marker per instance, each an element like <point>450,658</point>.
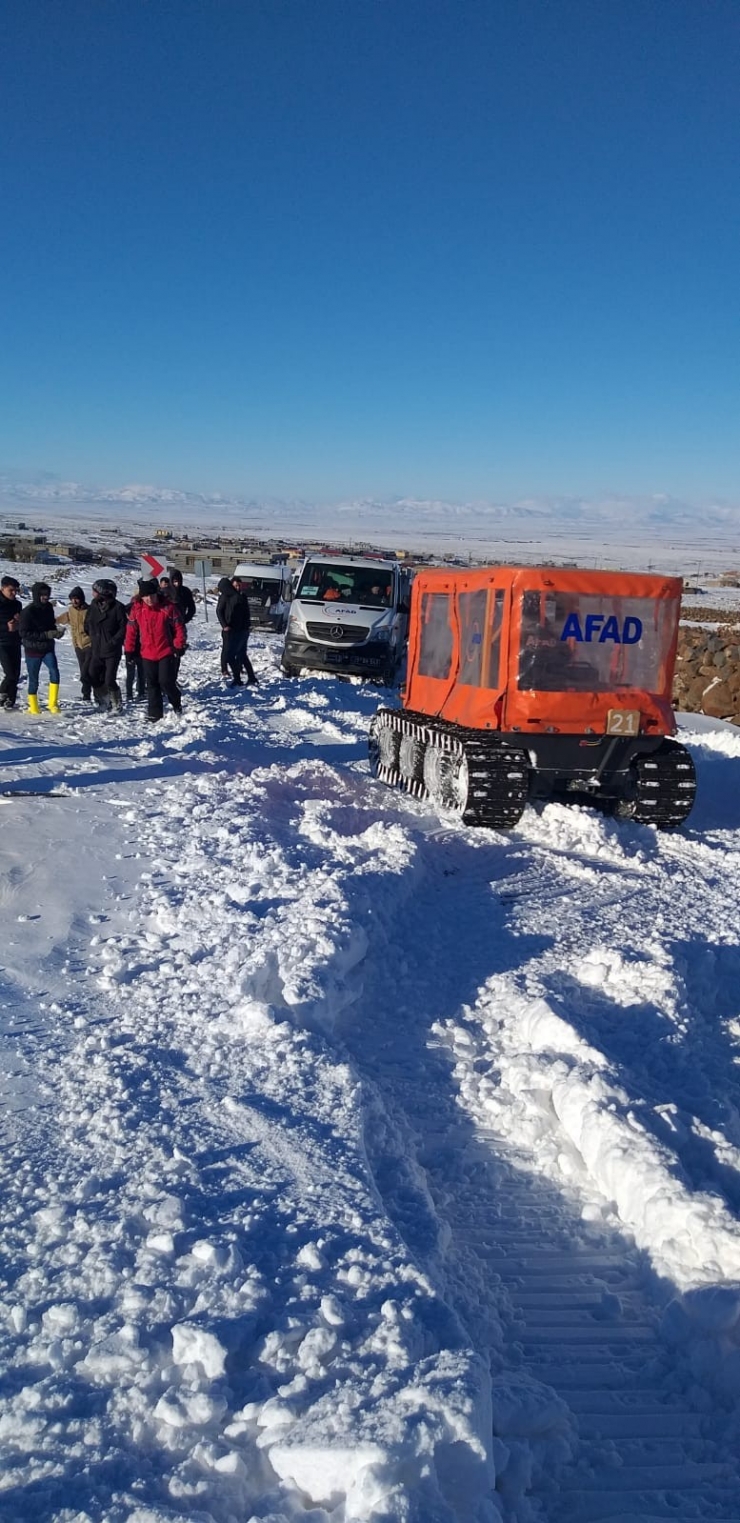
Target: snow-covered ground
<point>357,1166</point>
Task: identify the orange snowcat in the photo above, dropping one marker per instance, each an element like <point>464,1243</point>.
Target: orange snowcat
<point>539,684</point>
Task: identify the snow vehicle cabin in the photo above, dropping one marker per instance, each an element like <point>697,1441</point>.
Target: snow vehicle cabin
<point>539,683</point>
<point>348,613</point>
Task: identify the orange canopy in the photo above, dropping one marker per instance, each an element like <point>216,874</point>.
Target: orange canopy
<point>543,649</point>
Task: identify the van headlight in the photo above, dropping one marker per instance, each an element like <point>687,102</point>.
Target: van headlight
<point>380,634</point>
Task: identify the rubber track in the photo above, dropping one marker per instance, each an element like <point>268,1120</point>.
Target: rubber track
<point>666,787</point>
<point>498,775</point>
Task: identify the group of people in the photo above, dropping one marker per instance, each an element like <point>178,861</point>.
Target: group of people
<point>150,633</point>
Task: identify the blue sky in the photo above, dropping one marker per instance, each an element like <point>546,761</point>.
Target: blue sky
<point>332,247</point>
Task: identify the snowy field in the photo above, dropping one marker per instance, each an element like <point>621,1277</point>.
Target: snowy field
<point>649,533</point>
<point>357,1166</point>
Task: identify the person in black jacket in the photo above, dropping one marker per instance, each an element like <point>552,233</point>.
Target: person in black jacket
<point>105,623</point>
<point>135,676</point>
<point>182,596</point>
<point>232,612</point>
<point>38,628</point>
<point>11,609</point>
<point>183,599</point>
<point>224,587</point>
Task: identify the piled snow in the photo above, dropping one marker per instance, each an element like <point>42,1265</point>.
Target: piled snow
<point>271,1034</point>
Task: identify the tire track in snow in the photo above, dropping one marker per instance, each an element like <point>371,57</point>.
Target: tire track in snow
<point>188,1212</point>
<point>549,1293</point>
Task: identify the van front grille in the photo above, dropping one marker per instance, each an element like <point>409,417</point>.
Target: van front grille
<point>337,634</point>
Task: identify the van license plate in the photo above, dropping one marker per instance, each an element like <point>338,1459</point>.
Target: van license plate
<point>623,722</point>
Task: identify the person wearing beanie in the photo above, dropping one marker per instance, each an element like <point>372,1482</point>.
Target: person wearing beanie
<point>38,628</point>
<point>75,618</point>
<point>11,609</point>
<point>156,632</point>
<point>105,623</point>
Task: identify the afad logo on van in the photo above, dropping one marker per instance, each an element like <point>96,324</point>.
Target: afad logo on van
<point>598,628</point>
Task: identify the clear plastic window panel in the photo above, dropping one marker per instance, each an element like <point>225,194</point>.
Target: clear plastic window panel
<point>472,608</point>
<point>480,647</point>
<point>435,650</point>
<point>592,643</point>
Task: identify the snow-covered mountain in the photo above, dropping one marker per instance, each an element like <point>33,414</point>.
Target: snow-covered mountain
<point>611,528</point>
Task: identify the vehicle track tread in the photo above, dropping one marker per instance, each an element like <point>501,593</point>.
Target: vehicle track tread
<point>497,774</point>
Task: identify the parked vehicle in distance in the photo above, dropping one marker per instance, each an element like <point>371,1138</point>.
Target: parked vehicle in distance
<point>269,593</point>
<point>349,614</point>
<point>539,683</point>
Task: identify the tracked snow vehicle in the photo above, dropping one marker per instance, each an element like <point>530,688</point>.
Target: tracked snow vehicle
<point>539,684</point>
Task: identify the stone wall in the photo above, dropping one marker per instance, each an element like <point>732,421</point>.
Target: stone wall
<point>707,678</point>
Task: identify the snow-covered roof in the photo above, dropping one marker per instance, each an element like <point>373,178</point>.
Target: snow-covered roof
<point>372,562</point>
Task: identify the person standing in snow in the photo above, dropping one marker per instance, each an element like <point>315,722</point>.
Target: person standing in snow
<point>233,615</point>
<point>224,588</point>
<point>182,596</point>
<point>183,599</point>
<point>105,623</point>
<point>156,631</point>
<point>11,609</point>
<point>75,618</point>
<point>135,678</point>
<point>38,629</point>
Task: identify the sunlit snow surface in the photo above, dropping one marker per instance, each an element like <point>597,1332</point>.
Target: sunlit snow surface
<point>356,1166</point>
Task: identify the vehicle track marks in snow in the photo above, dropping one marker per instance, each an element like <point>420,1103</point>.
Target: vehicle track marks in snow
<point>348,1124</point>
<point>542,1276</point>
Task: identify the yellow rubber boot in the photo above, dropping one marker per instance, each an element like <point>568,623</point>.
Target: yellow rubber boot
<point>54,698</point>
<point>33,704</point>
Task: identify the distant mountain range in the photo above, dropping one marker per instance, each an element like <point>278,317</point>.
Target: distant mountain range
<point>569,525</point>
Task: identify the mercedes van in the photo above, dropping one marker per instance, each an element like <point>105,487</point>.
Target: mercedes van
<point>349,614</point>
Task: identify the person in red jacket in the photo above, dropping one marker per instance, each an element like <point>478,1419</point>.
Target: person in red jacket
<point>156,632</point>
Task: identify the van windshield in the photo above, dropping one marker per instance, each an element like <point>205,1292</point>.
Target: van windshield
<point>266,589</point>
<point>361,585</point>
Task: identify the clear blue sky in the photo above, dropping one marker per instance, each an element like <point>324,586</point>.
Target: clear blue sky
<point>329,247</point>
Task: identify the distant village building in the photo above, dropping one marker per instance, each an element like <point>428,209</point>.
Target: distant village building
<point>73,552</point>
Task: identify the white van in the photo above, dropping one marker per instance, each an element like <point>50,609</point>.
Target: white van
<point>268,590</point>
<point>349,614</point>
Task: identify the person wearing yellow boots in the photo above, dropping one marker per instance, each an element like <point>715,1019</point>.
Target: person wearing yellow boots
<point>37,630</point>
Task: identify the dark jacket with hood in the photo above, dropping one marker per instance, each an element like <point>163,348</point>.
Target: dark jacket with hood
<point>38,622</point>
<point>232,609</point>
<point>10,608</point>
<point>182,597</point>
<point>224,586</point>
<point>105,623</point>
